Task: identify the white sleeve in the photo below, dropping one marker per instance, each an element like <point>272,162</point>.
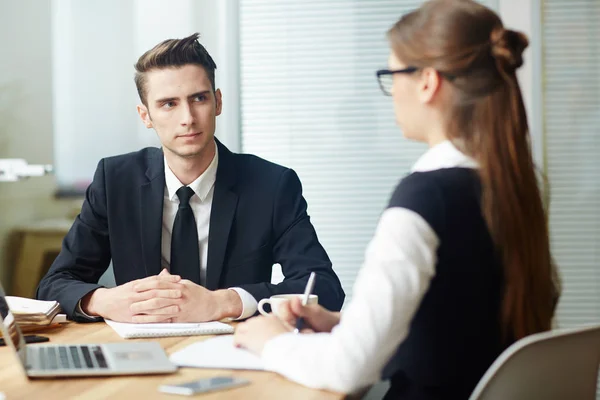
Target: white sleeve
<point>399,265</point>
<point>249,303</point>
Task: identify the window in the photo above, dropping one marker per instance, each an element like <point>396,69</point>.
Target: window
<point>310,101</point>
<point>571,29</point>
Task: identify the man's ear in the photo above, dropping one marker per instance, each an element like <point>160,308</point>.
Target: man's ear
<point>144,115</point>
<point>219,99</point>
<point>429,84</point>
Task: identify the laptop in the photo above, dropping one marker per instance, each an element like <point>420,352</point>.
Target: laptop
<point>63,360</point>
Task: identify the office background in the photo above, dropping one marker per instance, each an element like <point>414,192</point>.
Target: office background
<point>299,89</point>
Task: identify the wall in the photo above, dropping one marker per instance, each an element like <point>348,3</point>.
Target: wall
<point>25,116</point>
<point>94,93</point>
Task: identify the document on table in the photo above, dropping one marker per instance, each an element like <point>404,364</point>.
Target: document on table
<point>216,353</point>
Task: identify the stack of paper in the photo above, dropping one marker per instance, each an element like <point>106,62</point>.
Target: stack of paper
<point>129,331</point>
<point>32,312</point>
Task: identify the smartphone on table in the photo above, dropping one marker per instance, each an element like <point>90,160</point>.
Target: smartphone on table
<point>204,385</point>
<point>29,339</point>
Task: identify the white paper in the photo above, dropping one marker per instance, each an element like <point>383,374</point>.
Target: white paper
<point>127,331</point>
<point>216,353</point>
<point>22,305</point>
<point>60,319</point>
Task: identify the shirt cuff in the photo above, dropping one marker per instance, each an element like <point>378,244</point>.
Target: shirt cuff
<point>249,303</point>
<point>81,314</point>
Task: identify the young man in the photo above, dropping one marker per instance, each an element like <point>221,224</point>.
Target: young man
<point>192,229</point>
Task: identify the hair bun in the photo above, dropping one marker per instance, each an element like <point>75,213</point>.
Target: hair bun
<point>508,46</point>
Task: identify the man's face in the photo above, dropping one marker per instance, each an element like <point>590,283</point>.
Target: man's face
<point>182,108</point>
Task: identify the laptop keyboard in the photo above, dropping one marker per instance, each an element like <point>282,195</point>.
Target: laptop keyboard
<point>71,357</point>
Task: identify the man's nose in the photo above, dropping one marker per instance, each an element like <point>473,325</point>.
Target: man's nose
<point>187,115</point>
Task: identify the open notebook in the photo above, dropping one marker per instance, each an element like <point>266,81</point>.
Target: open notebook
<point>131,331</point>
<point>216,353</point>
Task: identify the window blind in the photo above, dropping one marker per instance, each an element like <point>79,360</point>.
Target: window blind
<point>310,101</point>
<point>572,122</point>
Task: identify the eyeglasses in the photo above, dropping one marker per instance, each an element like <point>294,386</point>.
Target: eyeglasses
<point>386,80</point>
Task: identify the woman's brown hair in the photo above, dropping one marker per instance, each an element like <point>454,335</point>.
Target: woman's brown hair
<point>467,43</point>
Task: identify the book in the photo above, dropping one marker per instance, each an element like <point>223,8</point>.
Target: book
<point>32,312</point>
<point>56,323</point>
<point>217,353</point>
<point>131,331</point>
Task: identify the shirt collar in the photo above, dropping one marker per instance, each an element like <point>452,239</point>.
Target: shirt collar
<point>201,186</point>
<point>443,155</point>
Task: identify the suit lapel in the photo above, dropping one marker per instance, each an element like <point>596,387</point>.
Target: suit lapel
<point>152,194</point>
<point>221,216</point>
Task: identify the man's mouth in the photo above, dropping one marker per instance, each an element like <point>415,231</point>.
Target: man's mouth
<point>189,135</point>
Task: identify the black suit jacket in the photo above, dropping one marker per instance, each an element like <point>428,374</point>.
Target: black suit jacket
<point>258,218</point>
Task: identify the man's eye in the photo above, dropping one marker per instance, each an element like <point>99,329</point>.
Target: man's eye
<point>169,104</point>
<point>200,98</point>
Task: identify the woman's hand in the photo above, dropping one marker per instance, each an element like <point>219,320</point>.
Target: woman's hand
<point>316,318</point>
<point>255,332</point>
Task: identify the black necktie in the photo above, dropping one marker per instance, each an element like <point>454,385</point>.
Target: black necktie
<point>185,254</point>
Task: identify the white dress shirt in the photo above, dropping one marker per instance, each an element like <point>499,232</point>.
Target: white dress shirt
<point>399,265</point>
<point>201,204</point>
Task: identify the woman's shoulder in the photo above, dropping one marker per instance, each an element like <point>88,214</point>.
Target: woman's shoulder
<point>427,193</point>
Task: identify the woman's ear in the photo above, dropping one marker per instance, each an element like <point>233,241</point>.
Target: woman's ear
<point>429,85</point>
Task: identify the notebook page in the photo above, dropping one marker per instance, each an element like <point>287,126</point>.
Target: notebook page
<point>216,353</point>
<point>127,330</point>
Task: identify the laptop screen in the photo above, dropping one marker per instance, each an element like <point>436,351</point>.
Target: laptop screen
<point>10,330</point>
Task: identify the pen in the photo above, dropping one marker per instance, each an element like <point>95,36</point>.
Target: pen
<point>307,292</point>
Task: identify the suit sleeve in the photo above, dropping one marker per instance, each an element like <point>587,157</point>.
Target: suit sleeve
<point>85,253</point>
<point>297,248</point>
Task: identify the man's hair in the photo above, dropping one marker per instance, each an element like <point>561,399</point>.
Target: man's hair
<point>173,53</point>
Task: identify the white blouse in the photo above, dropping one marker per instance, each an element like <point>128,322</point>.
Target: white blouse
<point>399,265</point>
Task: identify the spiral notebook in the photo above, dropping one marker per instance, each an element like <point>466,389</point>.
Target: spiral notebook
<point>132,331</point>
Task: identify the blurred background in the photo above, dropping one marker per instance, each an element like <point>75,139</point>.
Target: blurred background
<point>299,88</point>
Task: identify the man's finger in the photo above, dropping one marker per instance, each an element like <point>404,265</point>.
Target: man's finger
<point>155,305</point>
<point>150,294</point>
<point>148,319</point>
<point>156,284</point>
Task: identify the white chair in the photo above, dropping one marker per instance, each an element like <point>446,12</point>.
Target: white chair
<point>554,365</point>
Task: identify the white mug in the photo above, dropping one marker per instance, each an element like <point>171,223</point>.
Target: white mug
<point>279,299</point>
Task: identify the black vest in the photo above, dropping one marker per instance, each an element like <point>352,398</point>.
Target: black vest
<point>455,334</point>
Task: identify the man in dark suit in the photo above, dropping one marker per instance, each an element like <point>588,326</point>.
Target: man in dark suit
<point>192,229</point>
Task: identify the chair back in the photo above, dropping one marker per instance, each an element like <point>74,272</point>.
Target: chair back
<point>554,365</point>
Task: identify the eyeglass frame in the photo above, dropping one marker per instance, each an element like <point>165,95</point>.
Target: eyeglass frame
<point>407,70</point>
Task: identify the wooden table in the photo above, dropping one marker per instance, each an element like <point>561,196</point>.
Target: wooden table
<point>15,385</point>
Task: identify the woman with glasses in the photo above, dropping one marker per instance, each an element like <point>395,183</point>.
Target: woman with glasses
<point>459,266</point>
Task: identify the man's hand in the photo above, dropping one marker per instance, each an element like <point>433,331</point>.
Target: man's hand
<point>199,304</point>
<point>162,298</point>
<point>196,303</point>
<point>160,295</point>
